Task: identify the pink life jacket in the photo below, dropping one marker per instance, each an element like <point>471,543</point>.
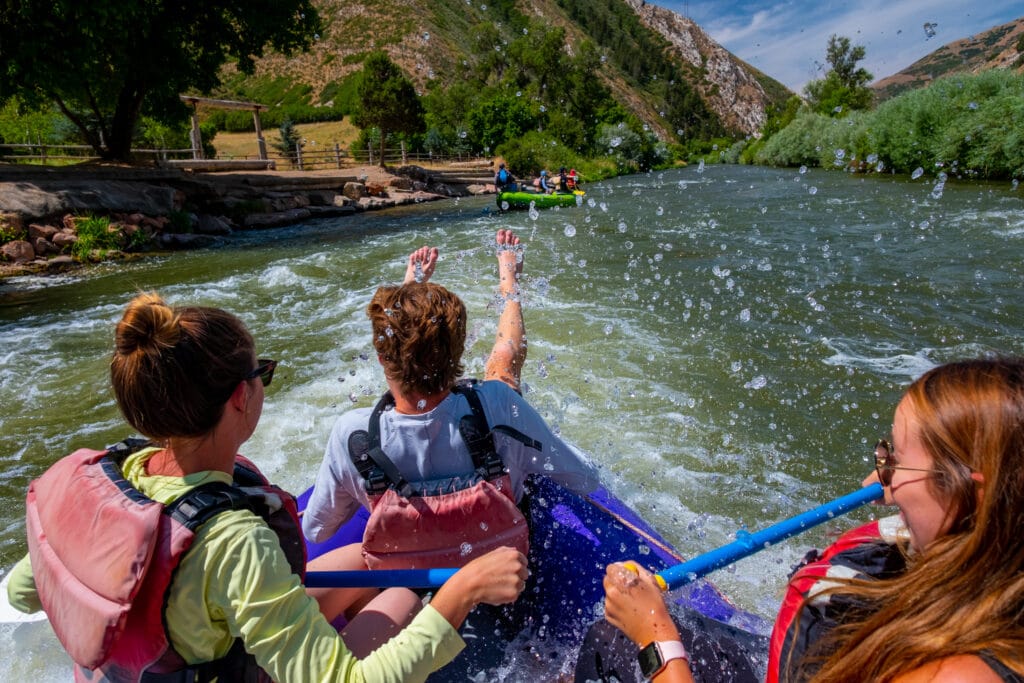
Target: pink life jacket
<point>103,557</point>
<point>439,523</point>
<point>867,551</point>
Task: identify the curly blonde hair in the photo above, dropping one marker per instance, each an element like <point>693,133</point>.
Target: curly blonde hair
<point>419,332</point>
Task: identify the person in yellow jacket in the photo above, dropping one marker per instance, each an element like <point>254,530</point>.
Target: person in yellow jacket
<point>188,379</point>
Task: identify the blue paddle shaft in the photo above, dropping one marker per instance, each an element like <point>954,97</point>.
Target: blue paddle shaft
<point>380,578</point>
<point>750,543</point>
<point>679,575</point>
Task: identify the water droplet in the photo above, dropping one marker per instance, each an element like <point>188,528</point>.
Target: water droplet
<point>389,332</point>
<point>660,211</point>
<point>570,231</point>
<point>759,382</point>
<point>622,224</point>
<point>918,172</point>
<point>700,166</point>
<point>609,328</point>
<point>812,190</point>
<point>465,549</point>
<point>421,404</point>
<point>615,142</point>
<point>803,169</point>
<point>483,526</point>
<point>426,35</point>
<point>745,315</point>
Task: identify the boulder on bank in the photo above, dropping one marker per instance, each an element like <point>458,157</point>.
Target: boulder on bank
<point>18,251</point>
<point>354,191</point>
<point>176,240</point>
<point>35,201</point>
<point>213,225</point>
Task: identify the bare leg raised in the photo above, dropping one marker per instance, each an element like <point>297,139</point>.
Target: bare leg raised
<point>509,353</point>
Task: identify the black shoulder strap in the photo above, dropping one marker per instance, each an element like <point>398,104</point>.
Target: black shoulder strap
<point>477,434</point>
<point>373,465</point>
<point>122,449</point>
<point>467,388</point>
<point>204,501</point>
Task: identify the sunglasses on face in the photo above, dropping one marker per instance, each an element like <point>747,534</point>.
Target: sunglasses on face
<point>264,370</point>
<point>884,463</point>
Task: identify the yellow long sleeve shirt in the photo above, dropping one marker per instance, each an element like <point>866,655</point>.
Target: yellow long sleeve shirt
<point>236,582</point>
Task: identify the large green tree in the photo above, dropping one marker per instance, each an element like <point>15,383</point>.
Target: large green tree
<point>104,63</point>
<point>844,87</point>
<point>387,100</point>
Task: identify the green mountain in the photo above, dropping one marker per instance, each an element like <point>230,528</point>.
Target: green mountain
<point>1001,47</point>
<point>654,61</point>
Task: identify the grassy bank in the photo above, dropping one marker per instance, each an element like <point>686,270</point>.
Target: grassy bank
<point>318,136</point>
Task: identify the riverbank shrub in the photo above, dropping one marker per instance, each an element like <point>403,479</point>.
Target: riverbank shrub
<point>94,233</point>
<point>9,232</point>
<point>962,123</point>
<point>958,125</point>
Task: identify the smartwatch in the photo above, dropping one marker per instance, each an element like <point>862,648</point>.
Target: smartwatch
<point>657,654</point>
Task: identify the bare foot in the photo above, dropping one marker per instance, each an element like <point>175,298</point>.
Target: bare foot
<point>421,265</point>
<point>510,263</point>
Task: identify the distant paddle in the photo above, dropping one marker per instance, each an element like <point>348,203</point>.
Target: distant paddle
<point>673,577</point>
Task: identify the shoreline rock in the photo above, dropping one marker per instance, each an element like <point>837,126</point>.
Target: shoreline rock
<point>157,210</point>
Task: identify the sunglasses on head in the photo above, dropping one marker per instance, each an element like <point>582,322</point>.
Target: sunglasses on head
<point>884,463</point>
<point>264,370</point>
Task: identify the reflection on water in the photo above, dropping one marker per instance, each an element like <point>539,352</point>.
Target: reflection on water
<point>726,342</point>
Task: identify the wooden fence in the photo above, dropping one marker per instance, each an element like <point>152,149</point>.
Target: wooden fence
<point>64,154</point>
<point>308,158</point>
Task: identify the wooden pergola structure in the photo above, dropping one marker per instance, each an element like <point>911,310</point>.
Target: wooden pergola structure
<point>196,136</point>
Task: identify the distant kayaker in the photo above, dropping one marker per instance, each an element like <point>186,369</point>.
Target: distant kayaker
<point>464,484</point>
<point>955,469</point>
<point>540,183</point>
<point>504,181</point>
<point>563,180</point>
<point>572,180</point>
<point>125,591</point>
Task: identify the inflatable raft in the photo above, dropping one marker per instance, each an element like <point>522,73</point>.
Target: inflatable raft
<point>558,616</point>
<point>556,630</point>
<point>523,200</point>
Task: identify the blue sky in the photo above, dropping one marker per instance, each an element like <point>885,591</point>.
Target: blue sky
<point>787,39</point>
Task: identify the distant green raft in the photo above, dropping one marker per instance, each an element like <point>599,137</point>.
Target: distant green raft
<point>522,200</point>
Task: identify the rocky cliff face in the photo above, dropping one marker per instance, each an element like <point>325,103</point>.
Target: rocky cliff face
<point>731,87</point>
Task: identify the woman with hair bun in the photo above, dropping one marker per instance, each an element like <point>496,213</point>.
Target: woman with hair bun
<point>156,561</point>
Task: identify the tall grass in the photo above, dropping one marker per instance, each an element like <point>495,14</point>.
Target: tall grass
<point>94,233</point>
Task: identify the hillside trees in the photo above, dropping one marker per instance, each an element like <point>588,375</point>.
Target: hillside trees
<point>387,100</point>
<point>640,54</point>
<point>105,64</point>
<point>844,87</point>
<point>529,83</point>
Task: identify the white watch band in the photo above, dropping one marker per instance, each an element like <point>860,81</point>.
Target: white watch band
<point>671,649</point>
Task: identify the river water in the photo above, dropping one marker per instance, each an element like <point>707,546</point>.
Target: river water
<point>726,342</point>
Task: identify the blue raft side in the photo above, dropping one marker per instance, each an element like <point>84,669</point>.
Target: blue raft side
<point>572,539</point>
